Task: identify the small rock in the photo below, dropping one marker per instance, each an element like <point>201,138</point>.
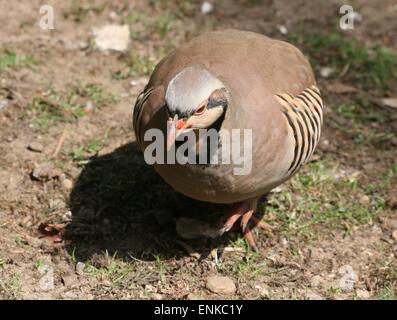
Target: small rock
<point>284,242</point>
<point>133,83</point>
<point>220,284</point>
<point>263,291</point>
<point>69,280</point>
<point>364,199</point>
<point>80,268</point>
<point>36,147</point>
<point>316,281</point>
<point>113,15</point>
<point>194,296</point>
<point>206,7</point>
<point>112,37</point>
<point>56,204</point>
<point>150,288</point>
<point>89,106</point>
<point>283,30</point>
<point>326,72</point>
<point>67,184</point>
<point>46,282</point>
<point>394,235</point>
<point>3,104</point>
<point>390,102</point>
<point>349,278</point>
<point>363,294</point>
<point>44,171</point>
<point>67,216</point>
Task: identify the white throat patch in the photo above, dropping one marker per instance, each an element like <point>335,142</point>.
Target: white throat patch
<point>189,88</point>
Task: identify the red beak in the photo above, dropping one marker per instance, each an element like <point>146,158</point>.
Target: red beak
<point>175,127</point>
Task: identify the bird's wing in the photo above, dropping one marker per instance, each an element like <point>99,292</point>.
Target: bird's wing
<point>148,109</point>
<point>303,114</point>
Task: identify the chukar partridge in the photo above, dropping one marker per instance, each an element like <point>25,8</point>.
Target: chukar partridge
<point>228,80</point>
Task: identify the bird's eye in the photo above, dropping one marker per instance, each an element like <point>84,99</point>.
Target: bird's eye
<point>200,110</point>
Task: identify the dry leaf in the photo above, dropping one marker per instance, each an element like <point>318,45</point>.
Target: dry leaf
<point>52,232</point>
<point>338,87</point>
<point>390,102</point>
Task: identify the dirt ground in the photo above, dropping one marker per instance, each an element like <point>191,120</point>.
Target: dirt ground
<point>93,221</point>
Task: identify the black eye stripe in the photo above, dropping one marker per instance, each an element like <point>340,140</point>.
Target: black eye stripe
<point>215,103</point>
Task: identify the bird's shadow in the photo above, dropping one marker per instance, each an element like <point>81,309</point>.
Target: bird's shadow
<point>120,205</point>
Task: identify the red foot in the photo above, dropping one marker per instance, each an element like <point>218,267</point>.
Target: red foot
<point>245,211</point>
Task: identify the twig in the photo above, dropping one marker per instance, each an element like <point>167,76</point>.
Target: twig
<point>60,143</point>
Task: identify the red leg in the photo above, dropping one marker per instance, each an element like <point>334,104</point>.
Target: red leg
<point>249,237</point>
<point>263,225</point>
<point>245,219</point>
<point>230,218</point>
<point>245,211</point>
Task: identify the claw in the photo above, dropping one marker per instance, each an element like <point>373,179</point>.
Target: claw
<point>245,211</point>
<point>249,237</point>
<point>245,219</point>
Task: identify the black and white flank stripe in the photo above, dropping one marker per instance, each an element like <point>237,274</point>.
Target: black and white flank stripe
<point>304,114</point>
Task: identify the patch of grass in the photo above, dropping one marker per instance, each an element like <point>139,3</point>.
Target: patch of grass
<point>55,107</point>
<point>319,198</point>
<point>137,65</point>
<point>364,124</point>
<point>89,148</point>
<point>362,111</point>
<point>79,9</point>
<point>10,288</point>
<point>114,270</point>
<point>369,66</point>
<point>145,24</point>
<point>386,294</point>
<point>386,281</point>
<point>96,93</point>
<point>11,60</point>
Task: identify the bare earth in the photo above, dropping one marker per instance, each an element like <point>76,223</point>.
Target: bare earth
<point>95,222</point>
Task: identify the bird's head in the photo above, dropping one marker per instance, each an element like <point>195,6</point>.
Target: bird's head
<point>195,99</point>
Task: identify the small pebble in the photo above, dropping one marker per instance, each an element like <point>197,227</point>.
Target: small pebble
<point>46,282</point>
<point>67,216</point>
<point>326,72</point>
<point>206,7</point>
<point>80,267</point>
<point>283,30</point>
<point>69,280</point>
<point>219,284</point>
<point>67,184</point>
<point>348,279</point>
<point>3,104</point>
<point>89,107</point>
<point>394,235</point>
<point>35,147</point>
<point>363,294</point>
<point>263,291</point>
<point>364,199</point>
<point>56,204</point>
<point>44,171</point>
